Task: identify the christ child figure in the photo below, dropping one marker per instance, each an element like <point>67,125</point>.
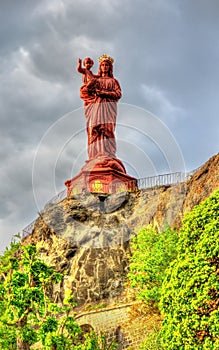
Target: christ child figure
<point>86,72</point>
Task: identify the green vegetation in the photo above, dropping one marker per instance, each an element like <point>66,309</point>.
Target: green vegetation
<point>152,342</point>
<point>181,277</point>
<point>190,292</point>
<point>177,274</point>
<point>28,318</point>
<point>152,253</point>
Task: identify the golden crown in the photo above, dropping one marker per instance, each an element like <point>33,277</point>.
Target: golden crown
<point>105,57</point>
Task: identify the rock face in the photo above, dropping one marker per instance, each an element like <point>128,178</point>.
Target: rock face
<point>202,183</point>
<point>88,235</point>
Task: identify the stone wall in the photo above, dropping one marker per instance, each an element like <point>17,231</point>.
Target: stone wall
<point>120,325</point>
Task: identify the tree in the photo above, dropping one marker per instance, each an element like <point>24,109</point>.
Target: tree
<point>27,315</point>
<point>190,292</point>
<point>28,318</point>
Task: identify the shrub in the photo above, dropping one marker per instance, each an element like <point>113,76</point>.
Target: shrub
<point>152,342</point>
<point>152,253</point>
<point>190,292</point>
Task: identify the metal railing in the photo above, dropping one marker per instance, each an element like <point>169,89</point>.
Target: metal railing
<point>143,183</point>
<point>161,180</point>
<point>28,229</point>
<point>56,199</point>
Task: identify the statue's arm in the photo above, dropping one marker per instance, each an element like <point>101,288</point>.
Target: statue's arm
<point>115,94</point>
<point>79,67</point>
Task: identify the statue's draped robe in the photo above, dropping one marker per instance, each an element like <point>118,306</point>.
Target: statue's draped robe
<point>100,113</point>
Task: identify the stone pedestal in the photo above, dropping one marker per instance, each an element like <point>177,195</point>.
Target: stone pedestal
<point>101,175</point>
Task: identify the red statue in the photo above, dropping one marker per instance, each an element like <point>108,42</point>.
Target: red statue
<point>100,97</point>
<point>100,94</point>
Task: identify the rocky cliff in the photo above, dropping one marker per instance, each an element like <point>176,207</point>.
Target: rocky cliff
<point>88,235</point>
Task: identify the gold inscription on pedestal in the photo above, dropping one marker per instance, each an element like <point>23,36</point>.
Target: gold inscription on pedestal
<point>97,186</point>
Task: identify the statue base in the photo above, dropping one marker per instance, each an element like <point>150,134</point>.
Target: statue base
<point>101,175</point>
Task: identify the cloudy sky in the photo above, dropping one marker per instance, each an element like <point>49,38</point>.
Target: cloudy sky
<point>166,59</point>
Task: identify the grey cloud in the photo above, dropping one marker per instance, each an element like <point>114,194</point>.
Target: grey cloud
<point>170,47</point>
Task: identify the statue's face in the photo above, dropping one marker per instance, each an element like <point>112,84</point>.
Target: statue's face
<point>105,67</point>
<point>88,63</point>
